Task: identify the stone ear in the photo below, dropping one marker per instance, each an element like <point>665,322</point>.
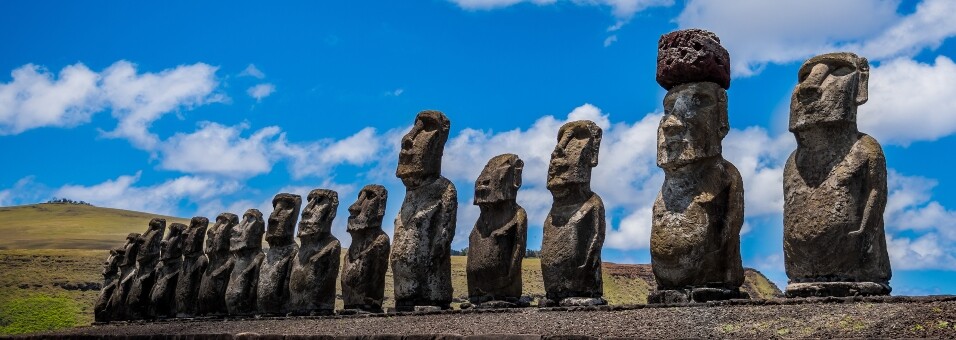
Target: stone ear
<point>519,167</point>
<point>862,93</point>
<point>597,134</point>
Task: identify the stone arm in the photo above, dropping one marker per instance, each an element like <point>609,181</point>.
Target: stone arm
<point>598,223</point>
<point>333,246</point>
<point>874,187</point>
<point>446,219</point>
<point>520,223</point>
<point>225,270</point>
<point>735,205</point>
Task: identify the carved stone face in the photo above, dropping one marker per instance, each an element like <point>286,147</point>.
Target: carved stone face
<point>500,180</point>
<point>694,124</point>
<point>153,240</point>
<point>369,209</point>
<point>830,89</point>
<point>248,234</point>
<point>134,242</point>
<point>575,154</point>
<point>217,237</point>
<point>285,211</point>
<point>172,245</point>
<point>113,262</point>
<point>319,213</point>
<point>195,235</point>
<point>422,148</point>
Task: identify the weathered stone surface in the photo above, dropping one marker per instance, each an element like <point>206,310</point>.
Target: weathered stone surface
<point>700,295</point>
<point>273,291</point>
<point>690,56</point>
<point>822,289</point>
<point>162,299</point>
<point>194,264</point>
<point>496,246</point>
<point>117,305</point>
<point>316,266</point>
<point>212,288</point>
<point>111,276</point>
<point>245,246</point>
<point>834,182</point>
<point>421,253</point>
<point>695,233</point>
<point>138,300</point>
<point>363,275</point>
<point>575,227</point>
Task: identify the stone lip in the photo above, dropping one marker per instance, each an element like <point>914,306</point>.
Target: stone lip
<point>690,56</point>
<point>837,289</point>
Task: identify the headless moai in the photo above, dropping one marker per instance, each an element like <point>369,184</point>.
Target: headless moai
<point>695,233</point>
<point>162,299</point>
<point>316,266</point>
<point>245,246</point>
<point>137,302</point>
<point>193,266</point>
<point>497,244</point>
<point>272,294</point>
<point>575,227</point>
<point>425,226</point>
<point>363,274</point>
<point>834,186</point>
<point>111,278</point>
<point>127,273</point>
<point>212,287</point>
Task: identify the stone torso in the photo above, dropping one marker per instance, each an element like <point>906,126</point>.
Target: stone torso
<point>140,288</point>
<point>363,275</point>
<point>570,264</point>
<point>695,232</point>
<point>421,261</point>
<point>243,280</point>
<point>314,271</point>
<point>187,286</point>
<point>163,296</point>
<point>272,291</point>
<point>212,289</point>
<point>495,252</point>
<point>828,208</point>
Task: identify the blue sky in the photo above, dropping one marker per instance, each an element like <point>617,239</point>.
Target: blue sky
<point>195,109</point>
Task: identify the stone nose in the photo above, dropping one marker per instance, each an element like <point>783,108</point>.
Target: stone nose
<point>809,93</point>
<point>672,125</point>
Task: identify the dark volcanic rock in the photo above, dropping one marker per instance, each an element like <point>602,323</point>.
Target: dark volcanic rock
<point>162,299</point>
<point>273,290</point>
<point>137,303</point>
<point>690,56</point>
<point>212,288</point>
<point>316,266</point>
<point>363,274</point>
<point>194,264</point>
<point>245,246</point>
<point>111,276</point>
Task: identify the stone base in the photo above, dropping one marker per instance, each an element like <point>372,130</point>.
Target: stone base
<point>363,309</point>
<point>837,289</point>
<point>703,294</point>
<point>316,312</point>
<point>491,303</point>
<point>573,302</point>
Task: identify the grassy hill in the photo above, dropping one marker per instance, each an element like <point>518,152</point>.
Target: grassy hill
<point>52,255</point>
<point>70,226</point>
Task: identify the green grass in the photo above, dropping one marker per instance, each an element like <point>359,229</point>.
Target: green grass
<point>70,226</point>
<point>37,313</point>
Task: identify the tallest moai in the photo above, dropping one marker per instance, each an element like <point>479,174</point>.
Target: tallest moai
<point>834,186</point>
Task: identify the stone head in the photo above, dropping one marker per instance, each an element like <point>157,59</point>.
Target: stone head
<point>694,124</point>
<point>217,237</point>
<point>500,180</point>
<point>285,212</point>
<point>111,267</point>
<point>153,240</point>
<point>172,245</point>
<point>248,233</point>
<point>318,213</point>
<point>134,241</point>
<point>422,148</point>
<point>575,155</point>
<point>195,236</point>
<point>369,209</point>
<point>830,88</point>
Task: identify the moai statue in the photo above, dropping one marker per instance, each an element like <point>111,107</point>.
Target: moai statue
<point>127,274</point>
<point>194,264</point>
<point>575,227</point>
<point>363,274</point>
<point>272,294</point>
<point>137,302</point>
<point>496,246</point>
<point>834,186</point>
<point>316,266</point>
<point>695,232</point>
<point>111,278</point>
<point>212,288</point>
<point>162,299</point>
<point>425,226</point>
<point>246,248</point>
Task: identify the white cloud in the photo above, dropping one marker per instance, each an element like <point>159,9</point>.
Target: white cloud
<point>910,101</point>
<point>252,71</point>
<point>760,158</point>
<point>622,9</point>
<point>25,191</point>
<point>36,98</point>
<point>395,93</point>
<point>162,198</point>
<point>220,150</point>
<point>610,40</point>
<point>320,157</point>
<point>927,27</point>
<point>138,100</point>
<point>261,91</point>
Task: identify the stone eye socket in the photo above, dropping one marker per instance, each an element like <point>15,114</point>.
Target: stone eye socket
<point>842,70</point>
<point>429,125</point>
